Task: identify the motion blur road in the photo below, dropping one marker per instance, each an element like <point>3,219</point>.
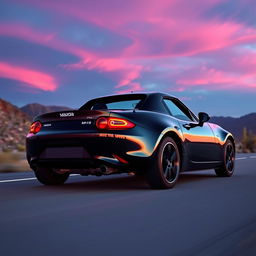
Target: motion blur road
<point>120,215</point>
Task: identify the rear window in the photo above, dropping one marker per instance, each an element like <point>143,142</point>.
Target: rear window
<point>127,104</point>
<point>124,102</point>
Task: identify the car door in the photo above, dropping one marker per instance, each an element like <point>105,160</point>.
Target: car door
<point>200,141</point>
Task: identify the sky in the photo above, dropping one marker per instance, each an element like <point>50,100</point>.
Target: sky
<point>65,52</point>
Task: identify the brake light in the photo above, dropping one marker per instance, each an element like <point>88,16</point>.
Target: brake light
<point>113,123</point>
<point>102,123</point>
<point>35,127</point>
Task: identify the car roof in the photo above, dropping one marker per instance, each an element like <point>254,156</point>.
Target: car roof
<point>140,93</point>
<point>152,94</point>
<point>151,101</point>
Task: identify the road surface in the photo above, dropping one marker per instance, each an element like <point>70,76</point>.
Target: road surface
<point>120,215</point>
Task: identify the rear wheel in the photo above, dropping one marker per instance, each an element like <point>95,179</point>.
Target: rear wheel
<point>48,176</point>
<point>227,169</point>
<point>165,167</point>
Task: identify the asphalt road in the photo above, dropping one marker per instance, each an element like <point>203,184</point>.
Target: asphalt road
<point>120,215</point>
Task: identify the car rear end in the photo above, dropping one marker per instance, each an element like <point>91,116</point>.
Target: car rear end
<point>89,139</point>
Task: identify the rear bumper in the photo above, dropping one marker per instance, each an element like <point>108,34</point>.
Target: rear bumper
<point>72,151</point>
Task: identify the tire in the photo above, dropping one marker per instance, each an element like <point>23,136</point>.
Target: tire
<point>165,166</point>
<point>49,177</point>
<point>227,169</point>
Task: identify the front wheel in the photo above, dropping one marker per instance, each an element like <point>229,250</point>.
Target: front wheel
<point>227,169</point>
<point>165,167</point>
<point>48,176</point>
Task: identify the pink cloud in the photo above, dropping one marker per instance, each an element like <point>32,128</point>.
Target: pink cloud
<point>243,61</point>
<point>214,79</point>
<point>160,32</point>
<point>232,69</point>
<point>33,78</point>
<point>119,69</point>
<point>114,14</point>
<point>167,38</point>
<point>126,72</point>
<point>49,39</point>
<point>156,28</point>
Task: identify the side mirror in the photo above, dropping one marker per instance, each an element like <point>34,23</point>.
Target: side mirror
<point>203,117</point>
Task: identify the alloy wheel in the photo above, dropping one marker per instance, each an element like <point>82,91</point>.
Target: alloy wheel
<point>170,163</point>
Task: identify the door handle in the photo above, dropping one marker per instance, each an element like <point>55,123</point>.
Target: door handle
<point>190,125</point>
<point>187,126</point>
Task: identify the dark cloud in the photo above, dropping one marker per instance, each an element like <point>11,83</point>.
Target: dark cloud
<point>93,38</point>
<point>18,51</point>
<point>16,12</point>
<point>241,11</point>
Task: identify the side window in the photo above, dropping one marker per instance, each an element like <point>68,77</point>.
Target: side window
<point>177,112</point>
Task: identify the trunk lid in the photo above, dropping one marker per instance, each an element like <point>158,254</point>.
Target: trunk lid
<point>75,120</point>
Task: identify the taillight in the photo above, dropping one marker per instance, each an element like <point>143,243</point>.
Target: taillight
<point>35,127</point>
<point>102,123</point>
<point>113,123</point>
<point>119,123</point>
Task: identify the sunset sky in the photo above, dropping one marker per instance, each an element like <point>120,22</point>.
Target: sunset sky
<point>64,52</point>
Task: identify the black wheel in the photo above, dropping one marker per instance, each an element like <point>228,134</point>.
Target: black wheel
<point>165,167</point>
<point>227,169</point>
<point>48,176</point>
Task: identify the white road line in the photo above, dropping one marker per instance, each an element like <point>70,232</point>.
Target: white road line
<point>24,179</point>
<point>252,156</point>
<point>241,158</point>
<point>2,181</point>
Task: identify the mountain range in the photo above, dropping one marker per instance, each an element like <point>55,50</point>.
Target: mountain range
<point>14,125</point>
<point>14,122</point>
<point>236,124</point>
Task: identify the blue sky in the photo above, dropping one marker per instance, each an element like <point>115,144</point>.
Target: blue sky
<point>65,52</point>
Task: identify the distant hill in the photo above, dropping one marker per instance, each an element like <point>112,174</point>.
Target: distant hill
<point>35,109</point>
<point>236,125</point>
<point>14,125</point>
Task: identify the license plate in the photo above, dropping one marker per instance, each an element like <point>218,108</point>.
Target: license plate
<point>67,152</point>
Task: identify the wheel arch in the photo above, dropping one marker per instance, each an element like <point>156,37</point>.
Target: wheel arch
<point>178,141</point>
<point>231,138</point>
<point>176,138</point>
<point>155,175</point>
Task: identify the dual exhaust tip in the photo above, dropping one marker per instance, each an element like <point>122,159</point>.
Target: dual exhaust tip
<point>102,170</point>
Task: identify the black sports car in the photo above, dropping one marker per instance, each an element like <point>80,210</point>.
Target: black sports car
<point>153,134</point>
